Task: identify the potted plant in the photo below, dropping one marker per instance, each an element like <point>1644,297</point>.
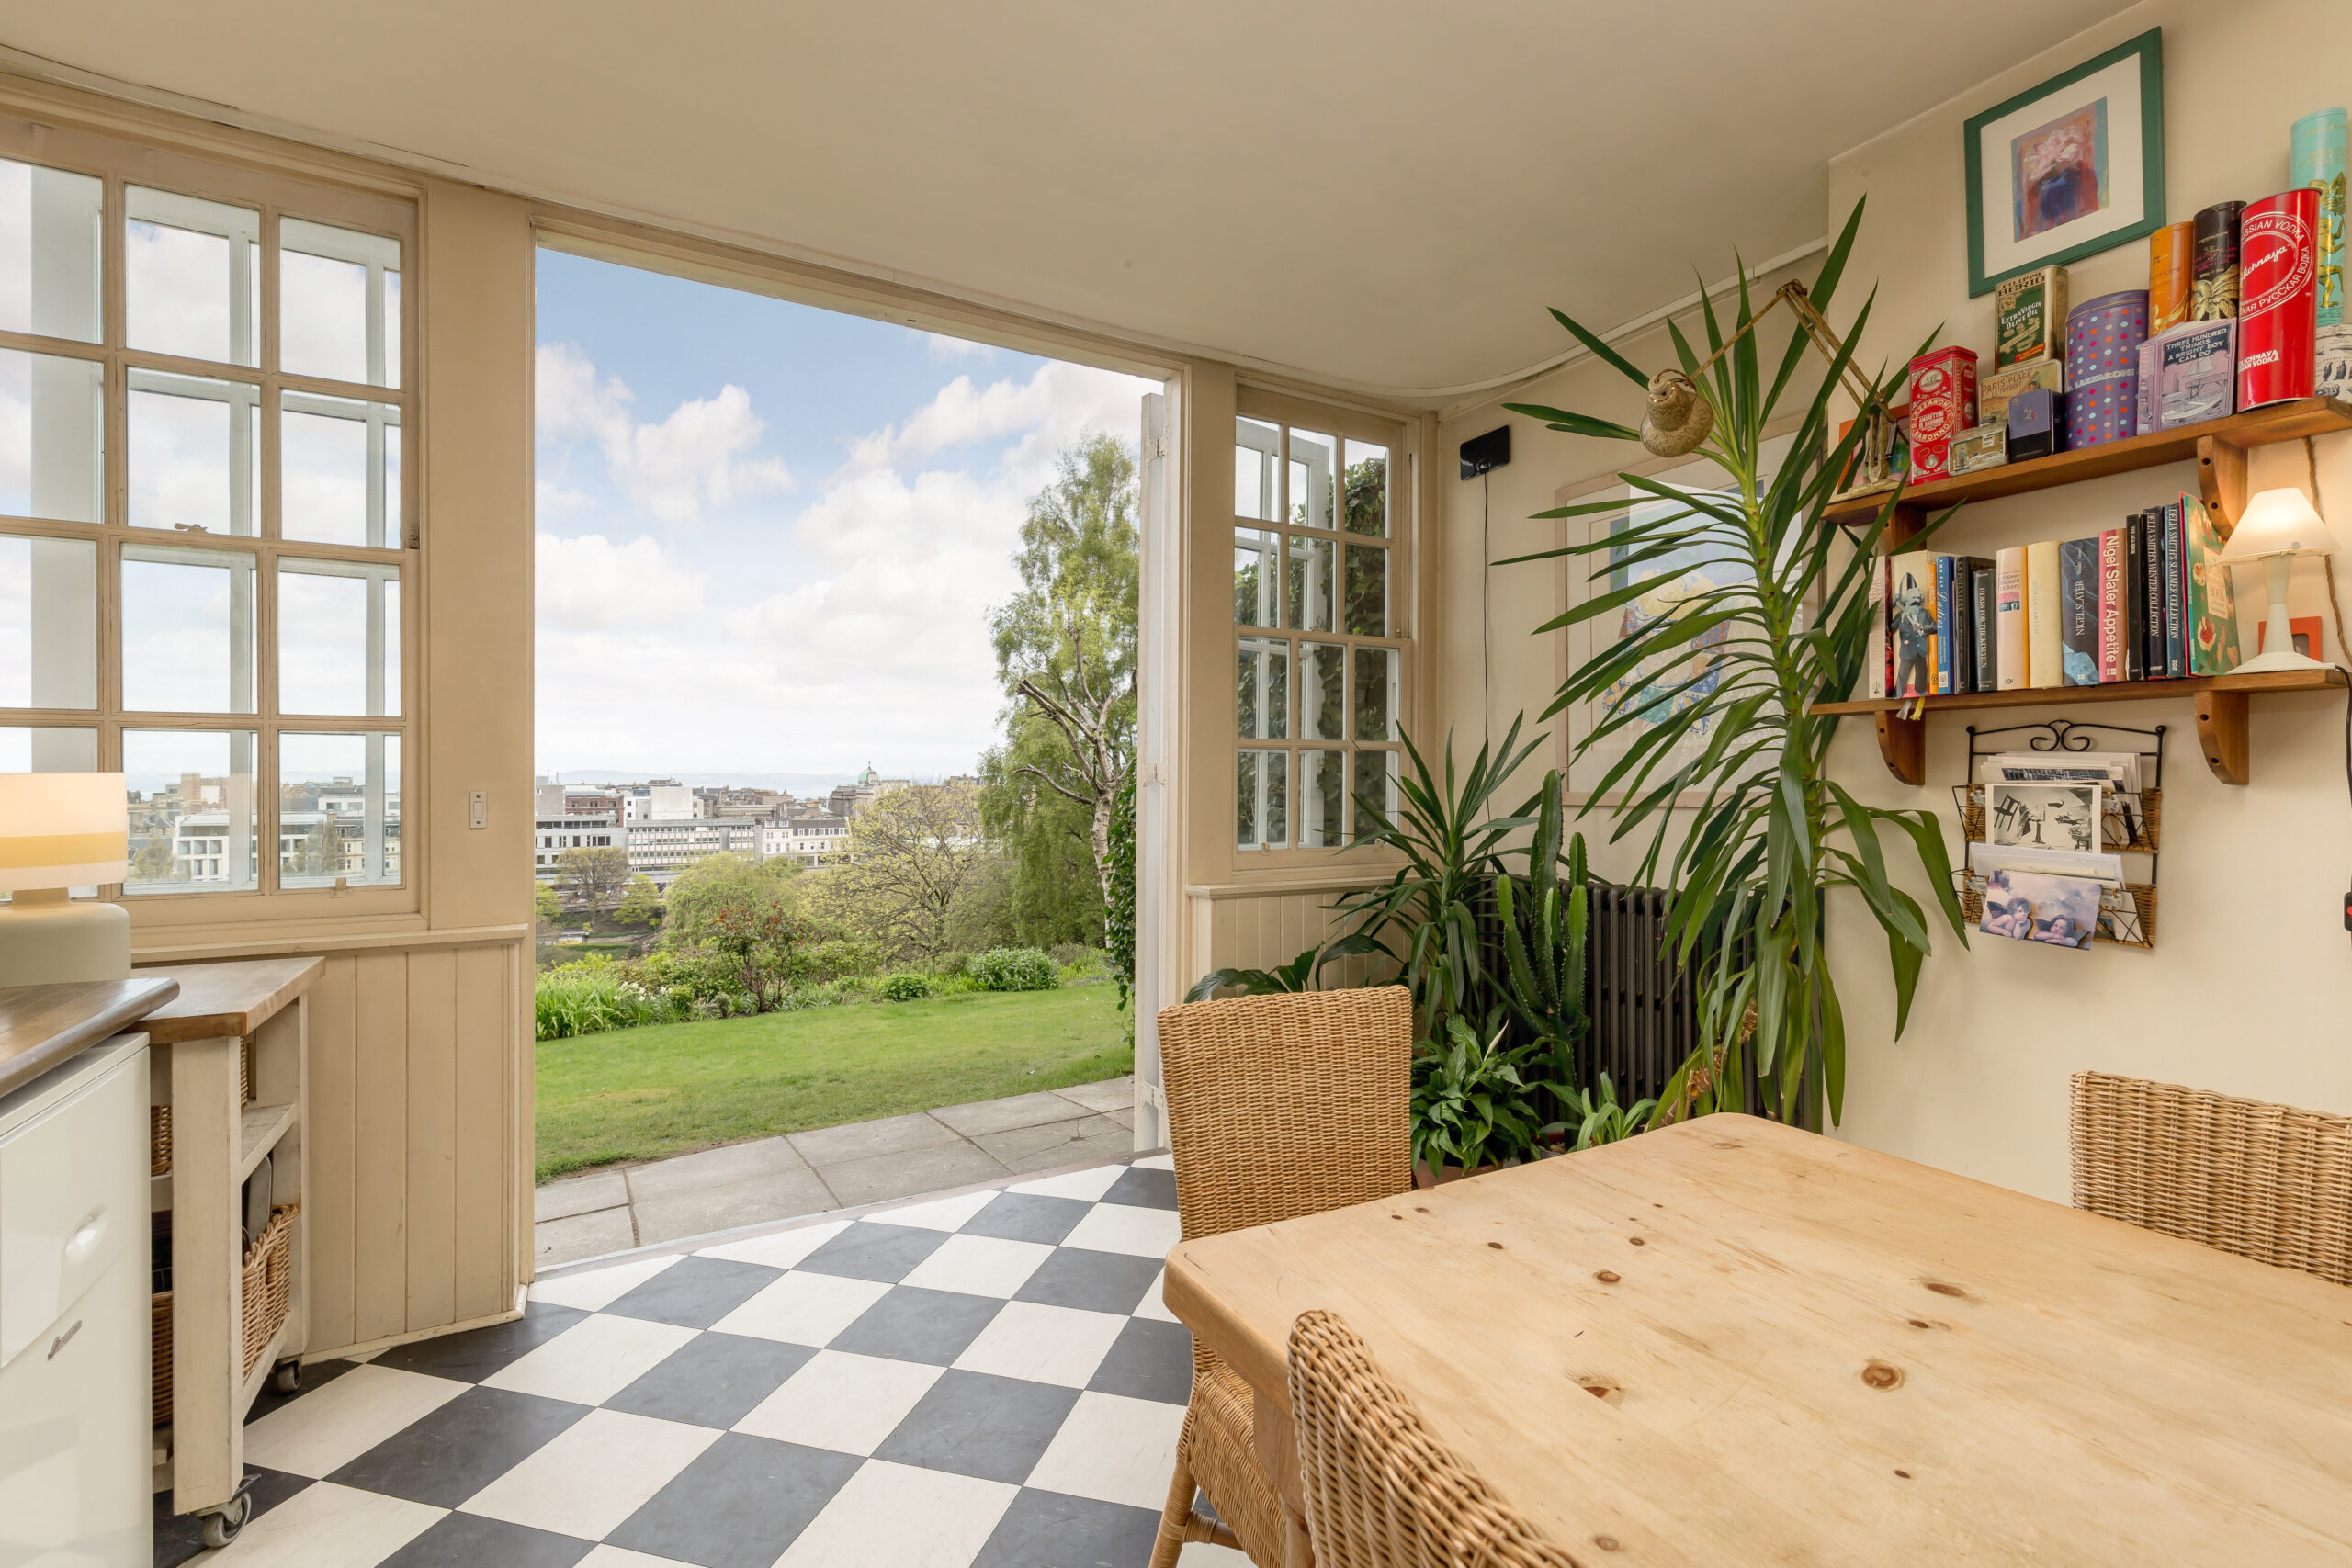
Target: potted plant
<point>1475,1102</point>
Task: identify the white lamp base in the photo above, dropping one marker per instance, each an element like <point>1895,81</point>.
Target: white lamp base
<point>2278,636</point>
<point>47,939</point>
<point>2285,658</point>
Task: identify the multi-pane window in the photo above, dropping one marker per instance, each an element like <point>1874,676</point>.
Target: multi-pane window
<point>1319,647</point>
<point>204,528</point>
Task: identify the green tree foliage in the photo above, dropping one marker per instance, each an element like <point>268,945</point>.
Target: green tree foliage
<point>642,905</point>
<point>547,907</point>
<point>1119,917</point>
<point>715,882</point>
<point>591,878</point>
<point>1049,890</point>
<point>914,854</point>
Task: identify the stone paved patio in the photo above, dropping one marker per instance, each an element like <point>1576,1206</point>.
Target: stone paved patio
<point>831,1167</point>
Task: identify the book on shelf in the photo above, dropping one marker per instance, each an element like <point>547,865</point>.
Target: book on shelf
<point>2135,598</point>
<point>2009,619</point>
<point>1912,623</point>
<point>2150,598</point>
<point>2213,610</point>
<point>1983,647</point>
<point>2175,641</point>
<point>1878,655</point>
<point>2114,606</point>
<point>1950,659</point>
<point>2043,663</point>
<point>2078,577</point>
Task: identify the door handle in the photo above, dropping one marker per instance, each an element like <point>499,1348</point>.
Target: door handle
<point>84,1243</point>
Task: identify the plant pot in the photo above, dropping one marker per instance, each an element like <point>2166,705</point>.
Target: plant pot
<point>1424,1179</point>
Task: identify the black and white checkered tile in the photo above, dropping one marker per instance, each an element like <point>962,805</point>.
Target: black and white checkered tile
<point>985,1381</point>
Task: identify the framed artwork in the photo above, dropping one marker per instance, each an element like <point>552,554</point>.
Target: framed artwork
<point>2070,168</point>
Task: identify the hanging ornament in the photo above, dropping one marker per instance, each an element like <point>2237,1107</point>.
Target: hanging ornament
<point>1679,418</point>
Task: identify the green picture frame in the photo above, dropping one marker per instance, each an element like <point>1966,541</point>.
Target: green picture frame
<point>2069,168</point>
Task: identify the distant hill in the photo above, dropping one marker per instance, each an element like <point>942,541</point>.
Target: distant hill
<point>798,784</point>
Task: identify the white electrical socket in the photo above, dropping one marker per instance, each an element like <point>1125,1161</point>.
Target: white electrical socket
<point>482,808</point>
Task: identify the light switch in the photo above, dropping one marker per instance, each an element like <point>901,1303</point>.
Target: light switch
<point>482,808</point>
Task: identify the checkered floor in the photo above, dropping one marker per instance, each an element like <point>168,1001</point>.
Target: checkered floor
<point>985,1381</point>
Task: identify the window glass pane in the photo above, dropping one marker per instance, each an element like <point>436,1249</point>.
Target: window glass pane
<point>1257,576</point>
<point>1257,455</point>
<point>1264,814</point>
<point>187,630</point>
<point>338,638</point>
<point>1367,591</point>
<point>1322,691</point>
<point>340,471</point>
<point>331,305</point>
<point>192,827</point>
<point>1264,694</point>
<point>1367,488</point>
<point>1322,799</point>
<point>1310,479</point>
<point>49,623</point>
<point>52,436</point>
<point>1376,693</point>
<point>1311,585</point>
<point>1375,784</point>
<point>338,810</point>
<point>191,276</point>
<point>25,750</point>
<point>49,250</point>
<point>195,448</point>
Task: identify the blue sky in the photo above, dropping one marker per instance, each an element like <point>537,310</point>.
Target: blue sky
<point>769,535</point>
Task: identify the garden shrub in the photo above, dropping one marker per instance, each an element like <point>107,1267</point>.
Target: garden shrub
<point>595,994</point>
<point>1014,969</point>
<point>905,989</point>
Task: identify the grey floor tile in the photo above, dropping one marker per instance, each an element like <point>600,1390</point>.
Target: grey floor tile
<point>180,1536</point>
<point>1148,1360</point>
<point>1117,1143</point>
<point>713,1168</point>
<point>1021,1143</point>
<point>713,1380</point>
<point>1047,1530</point>
<point>676,1214</point>
<point>468,1541</point>
<point>478,1352</point>
<point>1112,1094</point>
<point>1027,1216</point>
<point>867,1251</point>
<point>694,1292</point>
<point>1143,1189</point>
<point>582,1235</point>
<point>569,1195</point>
<point>995,1429</point>
<point>908,1173</point>
<point>1093,1282</point>
<point>914,1324</point>
<point>862,1140</point>
<point>462,1448</point>
<point>738,1505</point>
<point>1014,1110</point>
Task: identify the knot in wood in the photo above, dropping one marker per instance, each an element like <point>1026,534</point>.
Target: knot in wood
<point>1880,1375</point>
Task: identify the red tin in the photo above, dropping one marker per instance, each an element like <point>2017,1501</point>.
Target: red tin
<point>2278,298</point>
<point>1943,404</point>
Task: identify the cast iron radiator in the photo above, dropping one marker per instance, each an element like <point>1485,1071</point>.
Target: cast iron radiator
<point>1645,1019</point>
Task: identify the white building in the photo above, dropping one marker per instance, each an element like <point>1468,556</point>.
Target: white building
<point>553,835</point>
<point>808,840</point>
<point>662,802</point>
<point>662,849</point>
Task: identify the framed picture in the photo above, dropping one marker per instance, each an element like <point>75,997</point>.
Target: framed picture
<point>2070,168</point>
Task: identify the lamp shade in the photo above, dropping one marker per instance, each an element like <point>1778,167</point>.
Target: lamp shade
<point>62,829</point>
<point>2278,523</point>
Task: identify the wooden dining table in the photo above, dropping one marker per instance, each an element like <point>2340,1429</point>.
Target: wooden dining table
<point>1732,1342</point>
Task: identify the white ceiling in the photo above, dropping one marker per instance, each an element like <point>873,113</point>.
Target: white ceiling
<point>1382,194</point>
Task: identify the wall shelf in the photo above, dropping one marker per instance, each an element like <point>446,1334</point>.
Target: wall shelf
<point>2220,702</point>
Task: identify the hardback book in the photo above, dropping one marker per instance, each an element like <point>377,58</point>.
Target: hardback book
<point>2212,609</point>
<point>1911,622</point>
<point>2044,618</point>
<point>2135,597</point>
<point>2078,576</point>
<point>2152,593</point>
<point>1950,661</point>
<point>2176,617</point>
<point>1983,648</point>
<point>1878,656</point>
<point>2009,638</point>
<point>2114,605</point>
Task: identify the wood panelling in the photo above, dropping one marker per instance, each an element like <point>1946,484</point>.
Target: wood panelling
<point>1235,930</point>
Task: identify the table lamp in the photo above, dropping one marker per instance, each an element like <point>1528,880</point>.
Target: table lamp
<point>2276,526</point>
<point>59,831</point>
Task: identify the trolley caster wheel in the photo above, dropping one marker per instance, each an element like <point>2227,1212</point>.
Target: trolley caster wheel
<point>288,1377</point>
<point>225,1524</point>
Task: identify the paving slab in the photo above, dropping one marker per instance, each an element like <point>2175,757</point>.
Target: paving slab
<point>1041,1108</point>
<point>911,1173</point>
<point>1112,1094</point>
<point>1020,1142</point>
<point>582,1235</point>
<point>569,1195</point>
<point>756,1161</point>
<point>1117,1145</point>
<point>698,1211</point>
<point>862,1140</point>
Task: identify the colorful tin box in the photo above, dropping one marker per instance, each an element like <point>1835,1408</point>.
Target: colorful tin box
<point>1943,403</point>
<point>1986,446</point>
<point>2188,375</point>
<point>2029,317</point>
<point>1994,392</point>
<point>2103,339</point>
<point>2279,298</point>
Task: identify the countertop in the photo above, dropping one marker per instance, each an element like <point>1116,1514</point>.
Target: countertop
<point>41,1026</point>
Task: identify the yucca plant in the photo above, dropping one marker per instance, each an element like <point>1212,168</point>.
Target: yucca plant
<point>1749,869</point>
<point>1544,918</point>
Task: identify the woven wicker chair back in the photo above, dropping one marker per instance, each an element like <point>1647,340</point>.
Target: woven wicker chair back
<point>2268,1182</point>
<point>1380,1490</point>
<point>1287,1105</point>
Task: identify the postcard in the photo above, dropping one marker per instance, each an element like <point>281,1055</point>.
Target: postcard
<point>2060,911</point>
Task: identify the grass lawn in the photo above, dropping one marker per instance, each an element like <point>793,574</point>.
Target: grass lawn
<point>643,1093</point>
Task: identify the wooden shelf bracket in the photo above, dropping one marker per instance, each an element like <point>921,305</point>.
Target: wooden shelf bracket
<point>2222,734</point>
<point>2221,480</point>
<point>1904,743</point>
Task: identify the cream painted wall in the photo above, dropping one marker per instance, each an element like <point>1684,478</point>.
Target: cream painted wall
<point>2249,990</point>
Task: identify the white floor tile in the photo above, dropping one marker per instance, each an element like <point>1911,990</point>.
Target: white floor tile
<point>600,1287</point>
<point>1087,1184</point>
<point>781,1250</point>
<point>905,1516</point>
<point>804,1309</point>
<point>1196,1554</point>
<point>1121,1227</point>
<point>591,1361</point>
<point>327,1526</point>
<point>1154,1304</point>
<point>1113,1449</point>
<point>1043,1344</point>
<point>839,1401</point>
<point>940,1213</point>
<point>593,1474</point>
<point>336,1422</point>
<point>979,1266</point>
<point>621,1557</point>
<point>1159,1162</point>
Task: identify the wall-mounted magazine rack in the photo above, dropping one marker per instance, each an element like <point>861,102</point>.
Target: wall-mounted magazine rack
<point>2132,820</point>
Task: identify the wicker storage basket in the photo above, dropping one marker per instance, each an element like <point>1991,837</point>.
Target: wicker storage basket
<point>159,1117</point>
<point>267,1285</point>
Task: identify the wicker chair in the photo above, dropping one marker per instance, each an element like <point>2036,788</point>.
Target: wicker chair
<point>1277,1107</point>
<point>1381,1492</point>
<point>2268,1182</point>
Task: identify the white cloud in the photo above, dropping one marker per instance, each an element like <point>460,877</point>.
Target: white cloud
<point>942,348</point>
<point>550,500</point>
<point>1048,411</point>
<point>704,453</point>
<point>589,582</point>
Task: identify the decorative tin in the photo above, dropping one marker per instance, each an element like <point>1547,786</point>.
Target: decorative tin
<point>2172,269</point>
<point>2214,290</point>
<point>2029,316</point>
<point>1986,446</point>
<point>2188,375</point>
<point>1994,392</point>
<point>2103,339</point>
<point>2277,317</point>
<point>2318,160</point>
<point>2033,424</point>
<point>1943,403</point>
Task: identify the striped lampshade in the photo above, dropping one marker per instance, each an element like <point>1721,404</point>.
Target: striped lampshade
<point>62,831</point>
